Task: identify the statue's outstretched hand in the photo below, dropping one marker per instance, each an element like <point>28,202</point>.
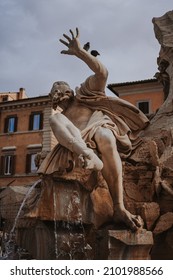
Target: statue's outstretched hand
<point>73,43</point>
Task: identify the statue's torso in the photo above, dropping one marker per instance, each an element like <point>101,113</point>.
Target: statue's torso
<point>78,115</point>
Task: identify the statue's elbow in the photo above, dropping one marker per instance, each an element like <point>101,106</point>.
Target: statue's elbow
<point>104,73</point>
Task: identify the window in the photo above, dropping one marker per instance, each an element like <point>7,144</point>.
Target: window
<point>33,166</point>
<point>144,106</point>
<point>8,165</point>
<point>10,124</point>
<point>30,163</point>
<point>36,121</point>
<point>5,98</point>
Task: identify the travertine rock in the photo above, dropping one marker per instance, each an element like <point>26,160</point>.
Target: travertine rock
<point>169,239</point>
<point>138,183</point>
<point>68,201</point>
<point>149,213</point>
<point>10,201</point>
<point>164,223</point>
<point>124,244</point>
<point>164,33</point>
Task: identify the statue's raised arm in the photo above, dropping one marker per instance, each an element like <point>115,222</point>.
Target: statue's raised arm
<point>99,79</point>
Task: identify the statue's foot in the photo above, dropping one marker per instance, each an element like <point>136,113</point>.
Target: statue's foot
<point>89,160</point>
<point>134,222</point>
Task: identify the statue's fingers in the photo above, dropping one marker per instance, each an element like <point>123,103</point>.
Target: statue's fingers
<point>65,52</point>
<point>81,161</point>
<point>138,221</point>
<point>77,32</point>
<point>63,42</point>
<point>67,37</point>
<point>72,34</point>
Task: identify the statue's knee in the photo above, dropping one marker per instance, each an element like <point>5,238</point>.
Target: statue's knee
<point>104,138</point>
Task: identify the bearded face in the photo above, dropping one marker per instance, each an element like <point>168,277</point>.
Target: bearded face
<point>60,94</point>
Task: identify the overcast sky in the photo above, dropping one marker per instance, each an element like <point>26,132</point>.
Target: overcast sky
<point>121,31</point>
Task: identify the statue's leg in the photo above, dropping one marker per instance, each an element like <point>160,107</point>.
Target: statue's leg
<point>112,173</point>
<point>70,137</point>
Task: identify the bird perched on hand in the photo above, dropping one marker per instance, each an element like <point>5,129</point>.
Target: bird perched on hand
<point>95,53</point>
<point>86,46</point>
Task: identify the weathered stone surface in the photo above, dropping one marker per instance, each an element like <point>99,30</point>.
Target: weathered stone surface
<point>149,213</point>
<point>124,244</point>
<point>55,240</point>
<point>10,201</point>
<point>164,223</point>
<point>162,250</point>
<point>102,206</point>
<point>142,154</point>
<point>68,201</point>
<point>165,202</point>
<point>163,120</point>
<point>163,29</point>
<point>138,183</point>
<point>160,134</point>
<point>169,239</point>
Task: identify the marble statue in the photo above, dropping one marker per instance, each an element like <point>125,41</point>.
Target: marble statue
<point>94,132</point>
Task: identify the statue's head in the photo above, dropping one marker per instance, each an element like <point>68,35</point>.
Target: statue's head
<point>162,64</point>
<point>60,93</point>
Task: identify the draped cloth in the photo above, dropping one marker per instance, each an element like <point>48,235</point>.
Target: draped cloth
<point>122,118</point>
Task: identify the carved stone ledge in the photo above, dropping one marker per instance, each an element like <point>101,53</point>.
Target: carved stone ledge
<point>124,245</point>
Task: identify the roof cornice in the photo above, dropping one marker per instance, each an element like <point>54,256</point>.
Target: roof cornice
<point>131,83</point>
<point>26,102</point>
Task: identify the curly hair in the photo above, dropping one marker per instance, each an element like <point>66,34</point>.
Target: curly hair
<point>59,83</point>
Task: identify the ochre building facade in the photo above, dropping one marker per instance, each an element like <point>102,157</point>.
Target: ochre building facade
<point>147,95</point>
<point>24,132</point>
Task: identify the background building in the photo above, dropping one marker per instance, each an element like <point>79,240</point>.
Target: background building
<point>147,95</point>
<point>24,132</point>
<point>10,96</point>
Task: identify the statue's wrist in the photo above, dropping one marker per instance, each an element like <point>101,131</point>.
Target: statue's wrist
<point>81,53</point>
<point>118,205</point>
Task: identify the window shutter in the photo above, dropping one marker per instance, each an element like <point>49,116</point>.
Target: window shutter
<point>28,163</point>
<point>41,121</point>
<point>13,164</point>
<point>6,125</point>
<point>2,166</point>
<point>31,122</point>
<point>15,123</point>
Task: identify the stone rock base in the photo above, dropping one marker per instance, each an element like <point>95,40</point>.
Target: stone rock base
<point>124,245</point>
